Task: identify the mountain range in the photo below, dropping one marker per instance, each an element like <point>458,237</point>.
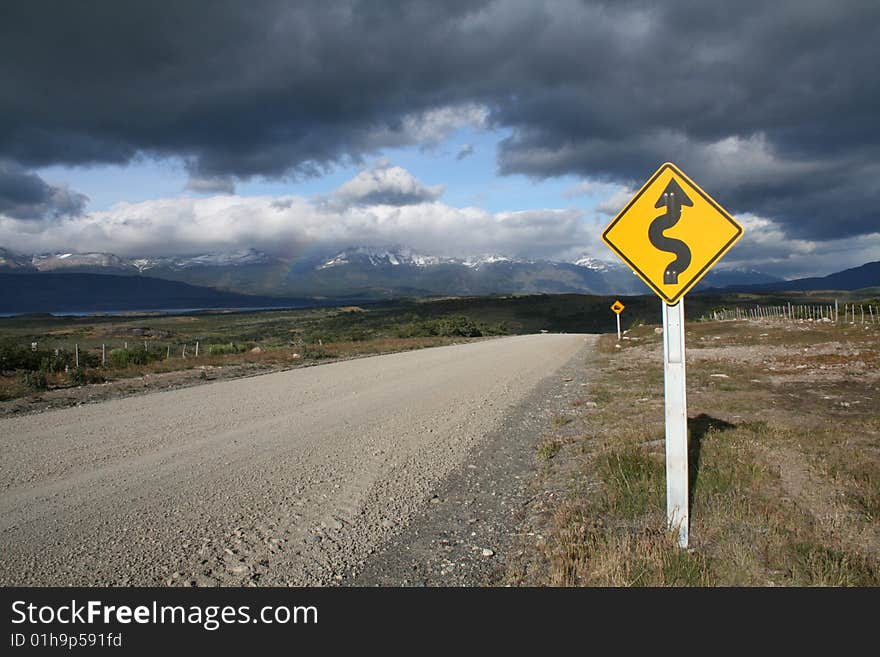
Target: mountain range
<point>367,272</point>
<point>856,278</point>
<point>354,274</point>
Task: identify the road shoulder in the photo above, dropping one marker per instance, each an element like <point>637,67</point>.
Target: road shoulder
<point>466,533</point>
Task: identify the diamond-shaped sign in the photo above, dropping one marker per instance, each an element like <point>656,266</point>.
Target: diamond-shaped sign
<point>671,233</point>
<point>617,307</point>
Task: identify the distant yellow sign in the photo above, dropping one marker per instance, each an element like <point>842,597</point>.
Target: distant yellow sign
<point>671,251</point>
<point>617,307</point>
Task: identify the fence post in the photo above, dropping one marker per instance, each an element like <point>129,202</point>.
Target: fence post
<point>184,351</point>
<point>103,354</point>
<point>76,349</point>
<point>168,354</point>
<point>197,348</point>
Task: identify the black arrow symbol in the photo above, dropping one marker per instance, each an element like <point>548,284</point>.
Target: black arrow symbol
<point>673,198</point>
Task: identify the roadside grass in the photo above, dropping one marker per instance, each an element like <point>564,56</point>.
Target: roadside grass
<point>561,421</point>
<point>784,480</point>
<point>286,356</point>
<point>50,354</point>
<point>551,446</point>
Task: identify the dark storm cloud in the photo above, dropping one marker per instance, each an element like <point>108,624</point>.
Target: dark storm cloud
<point>24,195</point>
<point>770,106</point>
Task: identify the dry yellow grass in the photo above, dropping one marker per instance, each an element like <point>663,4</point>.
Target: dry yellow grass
<point>784,465</point>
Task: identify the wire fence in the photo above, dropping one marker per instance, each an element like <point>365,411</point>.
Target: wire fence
<point>53,356</point>
<point>848,313</point>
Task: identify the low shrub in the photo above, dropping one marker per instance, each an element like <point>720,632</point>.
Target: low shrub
<point>80,376</point>
<point>451,326</point>
<point>55,362</point>
<point>122,358</point>
<point>35,380</point>
<point>16,356</point>
<point>77,376</point>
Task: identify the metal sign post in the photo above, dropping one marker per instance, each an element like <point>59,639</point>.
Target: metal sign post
<point>676,420</point>
<point>617,308</point>
<point>670,234</point>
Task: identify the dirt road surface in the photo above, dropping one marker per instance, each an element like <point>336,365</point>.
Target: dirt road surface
<point>292,478</point>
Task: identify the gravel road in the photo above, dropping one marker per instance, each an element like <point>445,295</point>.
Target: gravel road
<point>292,478</point>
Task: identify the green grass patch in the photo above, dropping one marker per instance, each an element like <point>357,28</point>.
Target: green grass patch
<point>549,448</point>
<point>818,565</point>
<point>634,482</point>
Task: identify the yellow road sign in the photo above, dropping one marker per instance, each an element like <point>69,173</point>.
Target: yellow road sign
<point>671,233</point>
<point>617,307</point>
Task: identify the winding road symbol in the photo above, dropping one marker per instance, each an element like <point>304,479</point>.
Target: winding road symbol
<point>671,233</point>
<point>673,198</point>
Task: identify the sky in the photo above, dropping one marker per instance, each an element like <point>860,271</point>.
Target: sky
<point>453,128</point>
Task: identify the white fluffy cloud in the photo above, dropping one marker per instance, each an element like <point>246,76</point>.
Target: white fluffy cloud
<point>384,184</point>
<point>385,205</point>
<point>287,225</point>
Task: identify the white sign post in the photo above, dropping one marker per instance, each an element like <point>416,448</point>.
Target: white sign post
<point>617,308</point>
<point>676,420</point>
<point>671,265</point>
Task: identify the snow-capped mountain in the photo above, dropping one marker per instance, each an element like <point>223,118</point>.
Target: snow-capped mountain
<point>395,256</point>
<point>386,271</point>
<point>401,256</point>
<point>110,263</point>
<point>589,262</point>
<point>228,259</point>
<point>78,261</point>
<point>377,256</point>
<point>368,271</point>
<point>475,262</point>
